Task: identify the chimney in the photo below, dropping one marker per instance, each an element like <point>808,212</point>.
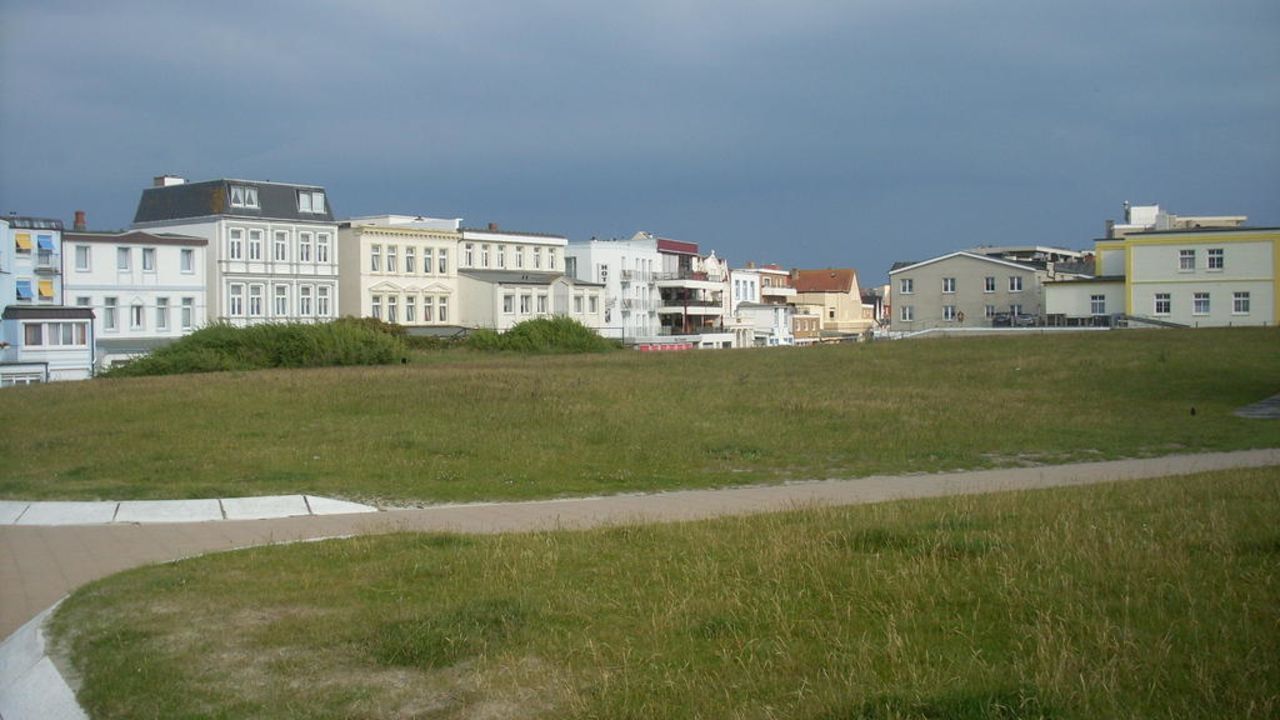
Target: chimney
<point>493,226</point>
<point>168,180</point>
<point>79,225</point>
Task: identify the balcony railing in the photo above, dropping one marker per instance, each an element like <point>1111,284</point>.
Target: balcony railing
<point>48,263</point>
<point>637,276</point>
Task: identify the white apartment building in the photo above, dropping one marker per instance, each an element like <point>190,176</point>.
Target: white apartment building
<point>402,269</point>
<point>628,271</point>
<point>41,340</point>
<point>505,278</point>
<point>145,289</point>
<point>693,295</point>
<point>273,247</point>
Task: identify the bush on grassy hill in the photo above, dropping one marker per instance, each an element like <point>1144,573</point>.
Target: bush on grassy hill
<point>543,335</point>
<point>348,341</point>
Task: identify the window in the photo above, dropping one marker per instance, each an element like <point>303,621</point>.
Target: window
<point>989,284</point>
<point>948,284</point>
<point>280,247</point>
<point>188,312</point>
<point>1186,260</point>
<point>255,300</point>
<point>428,309</point>
<point>443,304</point>
<point>56,333</point>
<point>187,260</point>
<point>391,259</point>
<point>410,261</point>
<point>375,258</point>
<point>123,259</point>
<point>444,261</point>
<point>990,310</point>
<point>280,301</point>
<point>508,303</point>
<point>526,304</point>
<point>235,306</point>
<point>311,201</point>
<point>137,316</point>
<point>304,247</point>
<point>593,303</point>
<point>907,313</point>
<point>1240,304</point>
<point>33,333</point>
<point>1016,308</point>
<point>84,301</point>
<point>1097,304</point>
<point>24,289</point>
<point>410,305</point>
<point>304,300</point>
<point>502,256</point>
<point>520,256</point>
<point>1200,304</point>
<point>906,286</point>
<point>949,313</point>
<point>1015,283</point>
<point>577,304</point>
<point>243,196</point>
<point>484,256</point>
<point>1164,303</point>
<point>82,258</point>
<point>375,307</point>
<point>255,244</point>
<point>44,288</point>
<point>392,315</point>
<point>542,303</point>
<point>322,301</point>
<point>322,247</point>
<point>551,258</point>
<point>162,313</point>
<point>537,258</point>
<point>109,319</point>
<point>22,241</point>
<point>1215,258</point>
<point>235,244</point>
<point>427,267</point>
<point>468,255</point>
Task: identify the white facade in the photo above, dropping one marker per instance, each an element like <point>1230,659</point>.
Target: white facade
<point>144,289</point>
<point>627,270</point>
<point>273,249</point>
<point>770,323</point>
<point>500,299</point>
<point>41,340</point>
<point>401,269</point>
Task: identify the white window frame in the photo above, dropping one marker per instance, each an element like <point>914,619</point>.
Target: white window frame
<point>906,286</point>
<point>1162,298</point>
<point>110,314</point>
<point>188,317</point>
<point>280,300</point>
<point>1241,302</point>
<point>1187,260</point>
<point>375,258</point>
<point>428,260</point>
<point>907,313</point>
<point>989,284</point>
<point>124,259</point>
<point>1015,283</point>
<point>304,247</point>
<point>162,313</point>
<point>235,244</point>
<point>255,245</point>
<point>1201,303</point>
<point>393,262</point>
<point>187,261</point>
<point>410,260</point>
<point>257,293</point>
<point>393,309</point>
<point>84,260</point>
<point>410,306</point>
<point>280,246</point>
<point>244,196</point>
<point>1097,304</point>
<point>949,285</point>
<point>443,261</point>
<point>949,313</point>
<point>235,300</point>
<point>442,308</point>
<point>428,309</point>
<point>137,316</point>
<point>305,293</point>
<point>375,307</point>
<point>1217,258</point>
<point>322,248</point>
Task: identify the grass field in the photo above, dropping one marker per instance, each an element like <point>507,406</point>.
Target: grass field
<point>459,426</point>
<point>1151,599</point>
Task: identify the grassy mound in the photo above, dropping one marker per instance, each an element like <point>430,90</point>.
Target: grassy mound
<point>347,341</point>
<point>543,335</point>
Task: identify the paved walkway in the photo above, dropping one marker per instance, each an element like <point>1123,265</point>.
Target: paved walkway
<point>20,512</point>
<point>41,564</point>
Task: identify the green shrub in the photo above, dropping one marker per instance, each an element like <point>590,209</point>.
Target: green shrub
<point>543,335</point>
<point>348,341</point>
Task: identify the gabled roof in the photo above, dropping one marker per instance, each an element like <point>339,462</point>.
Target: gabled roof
<point>900,267</point>
<point>188,201</point>
<point>831,280</point>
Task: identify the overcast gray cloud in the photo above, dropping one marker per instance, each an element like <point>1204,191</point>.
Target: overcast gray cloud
<point>808,133</point>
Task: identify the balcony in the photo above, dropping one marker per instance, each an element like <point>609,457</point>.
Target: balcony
<point>777,291</point>
<point>637,276</point>
<point>48,263</point>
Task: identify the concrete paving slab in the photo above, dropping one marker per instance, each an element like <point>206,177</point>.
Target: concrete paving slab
<point>268,506</point>
<point>31,688</point>
<point>168,511</point>
<point>68,513</point>
<point>329,506</point>
<point>11,510</point>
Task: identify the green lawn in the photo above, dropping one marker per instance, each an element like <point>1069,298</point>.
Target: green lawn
<point>458,426</point>
<point>1151,599</point>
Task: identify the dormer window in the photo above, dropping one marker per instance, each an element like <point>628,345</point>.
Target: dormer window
<point>244,196</point>
<point>311,201</point>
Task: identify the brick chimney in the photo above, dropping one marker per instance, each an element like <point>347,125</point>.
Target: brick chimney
<point>493,226</point>
<point>79,225</point>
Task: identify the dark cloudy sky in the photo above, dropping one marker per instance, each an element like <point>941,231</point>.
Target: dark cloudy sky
<point>806,133</point>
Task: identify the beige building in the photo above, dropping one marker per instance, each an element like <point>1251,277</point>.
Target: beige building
<point>834,298</point>
<point>400,268</point>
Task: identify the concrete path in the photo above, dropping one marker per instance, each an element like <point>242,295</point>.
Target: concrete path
<point>17,512</point>
<point>41,564</point>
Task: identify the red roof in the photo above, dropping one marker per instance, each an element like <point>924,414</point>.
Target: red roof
<point>678,247</point>
<point>820,281</point>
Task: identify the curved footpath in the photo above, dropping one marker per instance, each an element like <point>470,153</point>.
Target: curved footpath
<point>39,564</point>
